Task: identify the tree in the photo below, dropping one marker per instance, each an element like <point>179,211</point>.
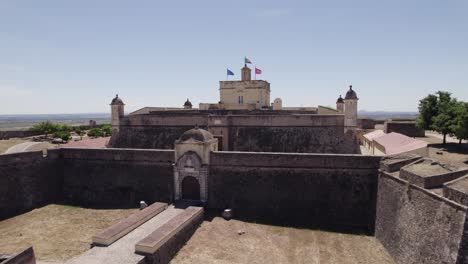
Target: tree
<point>438,112</point>
<point>107,129</point>
<point>427,110</point>
<point>460,126</point>
<point>444,121</point>
<point>45,127</point>
<point>64,135</point>
<point>79,132</point>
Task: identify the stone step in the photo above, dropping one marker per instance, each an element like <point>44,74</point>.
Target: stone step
<point>125,226</point>
<point>122,251</point>
<point>162,244</point>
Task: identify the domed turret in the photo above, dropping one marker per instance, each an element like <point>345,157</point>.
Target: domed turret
<point>188,104</point>
<point>351,94</point>
<point>117,113</point>
<point>197,134</point>
<point>340,104</point>
<point>340,100</point>
<point>117,101</point>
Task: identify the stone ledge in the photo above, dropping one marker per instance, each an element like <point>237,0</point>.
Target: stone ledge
<point>151,244</point>
<point>125,226</point>
<point>25,257</point>
<point>396,162</point>
<point>457,190</point>
<point>429,173</point>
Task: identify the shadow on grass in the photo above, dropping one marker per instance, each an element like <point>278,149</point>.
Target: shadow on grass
<point>210,214</point>
<point>452,147</point>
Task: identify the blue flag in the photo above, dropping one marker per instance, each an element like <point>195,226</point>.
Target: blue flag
<point>229,72</point>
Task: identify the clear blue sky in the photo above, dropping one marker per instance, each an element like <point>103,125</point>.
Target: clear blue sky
<point>74,56</point>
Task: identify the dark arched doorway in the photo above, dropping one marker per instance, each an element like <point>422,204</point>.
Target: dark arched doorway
<point>190,188</point>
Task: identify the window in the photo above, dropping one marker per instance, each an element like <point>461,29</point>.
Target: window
<point>241,99</point>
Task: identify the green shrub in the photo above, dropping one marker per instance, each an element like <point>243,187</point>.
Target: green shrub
<point>45,127</point>
<point>107,129</point>
<point>64,135</point>
<point>95,132</point>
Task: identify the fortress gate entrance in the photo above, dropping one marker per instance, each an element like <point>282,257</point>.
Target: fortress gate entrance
<point>190,189</point>
<point>190,178</point>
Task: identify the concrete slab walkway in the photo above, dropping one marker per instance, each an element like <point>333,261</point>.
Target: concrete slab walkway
<point>123,250</point>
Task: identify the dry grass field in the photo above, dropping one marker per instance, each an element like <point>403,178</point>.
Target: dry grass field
<point>219,241</point>
<point>57,232</point>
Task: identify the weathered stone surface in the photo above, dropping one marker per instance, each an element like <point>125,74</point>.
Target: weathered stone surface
<point>306,189</point>
<point>283,132</point>
<point>407,128</point>
<point>125,226</point>
<point>161,246</point>
<point>29,180</point>
<point>25,257</point>
<point>117,178</point>
<point>416,225</point>
<point>457,190</point>
<point>430,173</point>
<point>396,162</point>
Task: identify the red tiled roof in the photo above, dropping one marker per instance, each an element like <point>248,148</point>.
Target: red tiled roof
<point>374,134</point>
<point>395,143</point>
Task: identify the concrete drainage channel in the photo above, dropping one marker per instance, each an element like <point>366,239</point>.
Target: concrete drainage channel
<point>152,235</point>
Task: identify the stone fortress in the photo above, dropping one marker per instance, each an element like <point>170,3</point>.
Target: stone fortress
<point>243,120</point>
<point>269,164</point>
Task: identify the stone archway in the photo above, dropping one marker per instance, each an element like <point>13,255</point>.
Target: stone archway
<point>190,188</point>
<point>190,178</point>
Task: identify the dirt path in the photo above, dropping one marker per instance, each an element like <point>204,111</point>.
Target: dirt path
<point>22,147</point>
<point>6,144</point>
<point>218,241</point>
<point>57,232</point>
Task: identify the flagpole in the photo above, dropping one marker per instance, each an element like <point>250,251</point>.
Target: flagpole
<point>255,69</point>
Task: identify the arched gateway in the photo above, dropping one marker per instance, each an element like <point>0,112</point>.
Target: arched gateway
<point>192,155</point>
<point>190,188</point>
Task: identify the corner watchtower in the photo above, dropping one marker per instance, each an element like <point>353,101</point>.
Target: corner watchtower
<point>117,113</point>
<point>350,109</point>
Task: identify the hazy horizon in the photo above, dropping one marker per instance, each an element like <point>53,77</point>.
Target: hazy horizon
<point>73,57</point>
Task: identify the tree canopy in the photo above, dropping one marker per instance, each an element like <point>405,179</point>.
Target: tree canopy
<point>443,114</point>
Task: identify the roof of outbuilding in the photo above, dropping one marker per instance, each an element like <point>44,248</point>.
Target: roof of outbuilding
<point>196,134</point>
<point>395,143</point>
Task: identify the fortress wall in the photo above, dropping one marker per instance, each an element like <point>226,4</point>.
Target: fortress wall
<point>418,226</point>
<point>267,133</point>
<point>292,139</point>
<point>305,189</point>
<point>407,128</point>
<point>117,177</point>
<point>29,180</point>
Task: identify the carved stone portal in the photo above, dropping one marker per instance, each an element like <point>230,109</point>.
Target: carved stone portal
<point>190,178</point>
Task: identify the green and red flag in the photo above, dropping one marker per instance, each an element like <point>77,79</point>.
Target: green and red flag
<point>246,60</point>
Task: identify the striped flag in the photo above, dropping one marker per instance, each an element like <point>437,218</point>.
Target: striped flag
<point>247,61</point>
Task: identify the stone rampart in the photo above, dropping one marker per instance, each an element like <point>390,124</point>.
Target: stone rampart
<point>243,132</point>
<point>306,189</point>
<point>117,177</point>
<point>416,225</point>
<point>29,180</point>
<point>407,128</point>
<point>17,134</point>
